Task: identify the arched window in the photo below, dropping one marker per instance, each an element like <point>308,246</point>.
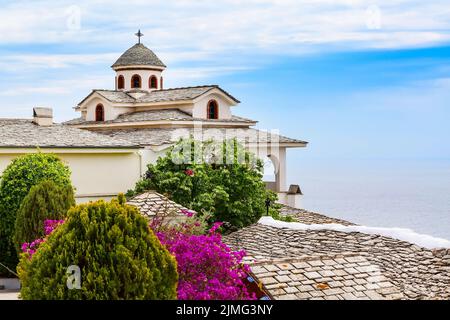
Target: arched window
<point>99,113</point>
<point>153,82</point>
<point>120,82</point>
<point>136,81</point>
<point>213,110</point>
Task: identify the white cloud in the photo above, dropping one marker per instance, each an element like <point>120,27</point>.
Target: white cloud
<point>52,61</point>
<point>183,74</point>
<point>58,87</point>
<point>229,25</point>
<point>223,33</point>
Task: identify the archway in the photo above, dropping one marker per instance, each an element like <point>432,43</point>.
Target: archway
<point>99,113</point>
<point>136,81</point>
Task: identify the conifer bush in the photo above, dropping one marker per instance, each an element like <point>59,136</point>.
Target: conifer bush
<point>45,201</point>
<point>118,255</point>
<point>15,183</point>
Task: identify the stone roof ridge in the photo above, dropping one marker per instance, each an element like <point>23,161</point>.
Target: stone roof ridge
<point>118,91</point>
<point>211,86</point>
<point>162,109</point>
<point>399,234</point>
<point>192,87</point>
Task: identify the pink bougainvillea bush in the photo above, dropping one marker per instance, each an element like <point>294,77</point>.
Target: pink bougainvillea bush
<point>208,269</point>
<point>31,247</point>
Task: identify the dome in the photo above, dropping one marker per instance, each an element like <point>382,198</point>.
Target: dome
<point>138,55</point>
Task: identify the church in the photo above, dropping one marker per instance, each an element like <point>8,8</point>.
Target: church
<point>120,131</point>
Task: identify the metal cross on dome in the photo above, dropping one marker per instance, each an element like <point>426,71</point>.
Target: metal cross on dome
<point>139,34</point>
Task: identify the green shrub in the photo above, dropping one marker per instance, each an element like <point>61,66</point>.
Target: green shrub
<point>21,174</point>
<point>230,188</point>
<point>117,253</point>
<point>44,201</point>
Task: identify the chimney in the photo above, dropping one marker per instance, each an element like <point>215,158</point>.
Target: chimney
<point>43,116</point>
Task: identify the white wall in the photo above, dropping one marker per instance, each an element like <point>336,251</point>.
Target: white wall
<point>95,175</point>
<point>111,112</point>
<point>145,76</point>
<point>201,106</point>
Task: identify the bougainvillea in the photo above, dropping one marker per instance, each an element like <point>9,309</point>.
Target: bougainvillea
<point>50,225</point>
<point>31,247</point>
<point>208,269</point>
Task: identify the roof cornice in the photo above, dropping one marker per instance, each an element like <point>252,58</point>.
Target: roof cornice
<point>139,67</point>
<point>166,124</point>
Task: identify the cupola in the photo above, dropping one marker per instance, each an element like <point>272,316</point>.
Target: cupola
<point>139,69</point>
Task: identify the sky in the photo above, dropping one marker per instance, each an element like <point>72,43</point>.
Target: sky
<point>362,81</point>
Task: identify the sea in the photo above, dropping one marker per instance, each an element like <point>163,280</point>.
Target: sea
<point>413,194</point>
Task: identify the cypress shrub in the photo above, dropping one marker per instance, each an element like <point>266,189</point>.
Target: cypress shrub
<point>45,201</point>
<point>118,255</point>
<point>16,181</point>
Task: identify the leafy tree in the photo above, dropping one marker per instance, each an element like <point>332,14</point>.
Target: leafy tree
<point>221,178</point>
<point>45,201</point>
<point>118,256</point>
<point>21,174</point>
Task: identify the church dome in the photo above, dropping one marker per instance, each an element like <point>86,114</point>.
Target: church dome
<point>138,55</point>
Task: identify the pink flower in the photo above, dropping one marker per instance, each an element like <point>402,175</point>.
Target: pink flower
<point>189,172</point>
<point>24,247</point>
<point>208,269</point>
<point>215,227</point>
<point>188,213</point>
<point>49,227</point>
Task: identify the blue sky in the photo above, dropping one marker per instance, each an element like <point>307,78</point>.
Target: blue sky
<point>359,79</point>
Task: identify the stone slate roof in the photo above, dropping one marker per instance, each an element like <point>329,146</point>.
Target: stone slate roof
<point>176,94</point>
<point>341,277</point>
<point>152,203</point>
<point>308,217</point>
<point>115,96</point>
<point>157,115</point>
<point>161,136</point>
<point>138,55</point>
<point>24,133</point>
<point>165,95</point>
<point>326,264</point>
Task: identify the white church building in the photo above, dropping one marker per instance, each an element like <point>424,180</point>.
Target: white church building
<point>120,131</point>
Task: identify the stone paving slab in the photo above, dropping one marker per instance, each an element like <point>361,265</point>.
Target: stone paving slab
<point>9,295</point>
